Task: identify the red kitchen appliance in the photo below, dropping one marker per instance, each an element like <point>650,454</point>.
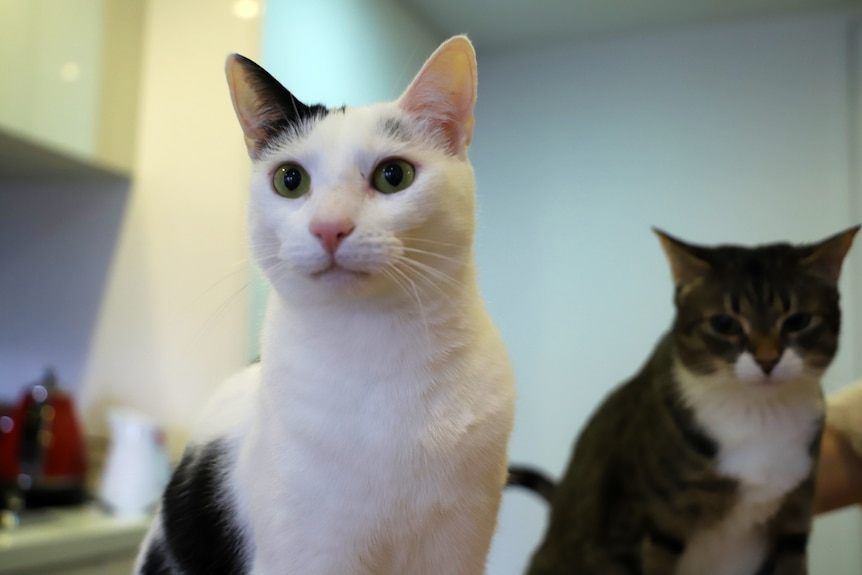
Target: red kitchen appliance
<point>42,451</point>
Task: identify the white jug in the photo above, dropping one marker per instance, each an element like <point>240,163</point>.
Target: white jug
<point>137,467</point>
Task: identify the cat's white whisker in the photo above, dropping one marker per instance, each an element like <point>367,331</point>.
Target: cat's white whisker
<point>407,267</point>
<point>430,241</point>
<point>431,270</point>
<point>417,298</point>
<point>235,269</point>
<point>219,311</point>
<point>434,254</point>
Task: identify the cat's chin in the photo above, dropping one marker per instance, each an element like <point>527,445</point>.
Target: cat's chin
<point>326,284</point>
<point>339,276</point>
<point>765,382</point>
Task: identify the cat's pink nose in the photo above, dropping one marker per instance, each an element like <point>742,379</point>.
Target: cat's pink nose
<point>332,232</point>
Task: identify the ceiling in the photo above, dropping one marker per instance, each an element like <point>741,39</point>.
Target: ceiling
<point>502,24</point>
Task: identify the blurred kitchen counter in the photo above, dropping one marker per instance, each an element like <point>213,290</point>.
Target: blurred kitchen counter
<point>84,540</point>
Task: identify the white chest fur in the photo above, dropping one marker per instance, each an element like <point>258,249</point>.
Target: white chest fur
<point>371,465</point>
<point>764,437</point>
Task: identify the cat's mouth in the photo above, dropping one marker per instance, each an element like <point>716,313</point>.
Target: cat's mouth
<point>336,272</point>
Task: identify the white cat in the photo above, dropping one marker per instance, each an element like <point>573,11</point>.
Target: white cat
<point>371,437</point>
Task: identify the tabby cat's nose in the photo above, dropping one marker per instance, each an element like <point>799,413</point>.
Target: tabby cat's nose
<point>332,232</point>
<point>767,364</point>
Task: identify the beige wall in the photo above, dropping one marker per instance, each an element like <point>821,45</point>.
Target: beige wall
<point>172,324</point>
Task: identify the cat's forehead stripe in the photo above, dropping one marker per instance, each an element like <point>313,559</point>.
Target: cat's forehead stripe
<point>395,129</point>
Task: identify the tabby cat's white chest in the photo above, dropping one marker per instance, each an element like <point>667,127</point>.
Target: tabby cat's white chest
<point>764,442</point>
<point>764,434</point>
<point>766,448</point>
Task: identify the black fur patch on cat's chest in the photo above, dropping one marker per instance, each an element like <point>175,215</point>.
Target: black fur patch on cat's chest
<point>199,530</point>
<point>684,421</point>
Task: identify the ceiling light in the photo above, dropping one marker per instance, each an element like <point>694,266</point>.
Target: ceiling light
<point>246,9</point>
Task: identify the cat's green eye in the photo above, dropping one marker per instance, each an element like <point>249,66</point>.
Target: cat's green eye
<point>725,325</point>
<point>796,322</point>
<point>392,176</point>
<point>291,181</point>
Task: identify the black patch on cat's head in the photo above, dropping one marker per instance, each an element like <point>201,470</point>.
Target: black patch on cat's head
<point>272,111</point>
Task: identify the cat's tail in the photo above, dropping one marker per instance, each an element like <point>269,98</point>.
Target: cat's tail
<point>532,479</point>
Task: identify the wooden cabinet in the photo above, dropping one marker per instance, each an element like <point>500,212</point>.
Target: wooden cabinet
<point>70,75</point>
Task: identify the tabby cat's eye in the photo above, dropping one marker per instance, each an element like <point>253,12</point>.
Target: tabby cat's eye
<point>392,176</point>
<point>291,181</point>
<point>796,322</point>
<point>725,325</point>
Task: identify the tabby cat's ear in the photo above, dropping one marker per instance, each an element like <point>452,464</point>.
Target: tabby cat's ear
<point>827,256</point>
<point>685,265</point>
<point>443,93</point>
<point>263,106</point>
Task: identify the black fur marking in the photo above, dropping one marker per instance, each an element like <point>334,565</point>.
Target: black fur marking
<point>791,543</point>
<point>631,562</point>
<point>814,445</point>
<point>155,561</point>
<point>532,479</point>
<point>273,92</point>
<point>665,541</point>
<point>682,417</point>
<point>197,523</point>
<point>278,111</point>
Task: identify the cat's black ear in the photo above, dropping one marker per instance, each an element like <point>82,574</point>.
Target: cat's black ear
<point>263,106</point>
<point>685,265</point>
<point>828,255</point>
<point>443,93</point>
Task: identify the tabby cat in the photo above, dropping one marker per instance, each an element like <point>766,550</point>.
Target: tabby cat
<point>371,437</point>
<point>703,463</point>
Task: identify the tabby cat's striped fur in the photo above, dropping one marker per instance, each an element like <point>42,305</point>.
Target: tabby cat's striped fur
<point>702,464</point>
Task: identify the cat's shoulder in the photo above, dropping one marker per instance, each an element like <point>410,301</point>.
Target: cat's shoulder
<point>228,411</point>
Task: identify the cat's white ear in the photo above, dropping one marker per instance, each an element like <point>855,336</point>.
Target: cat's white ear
<point>828,255</point>
<point>443,93</point>
<point>263,106</point>
<point>685,266</point>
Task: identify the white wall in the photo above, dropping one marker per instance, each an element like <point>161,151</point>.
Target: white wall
<point>736,133</point>
<point>174,322</point>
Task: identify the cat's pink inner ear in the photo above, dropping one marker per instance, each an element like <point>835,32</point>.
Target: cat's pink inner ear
<point>245,103</point>
<point>685,267</point>
<point>828,255</point>
<point>443,94</point>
